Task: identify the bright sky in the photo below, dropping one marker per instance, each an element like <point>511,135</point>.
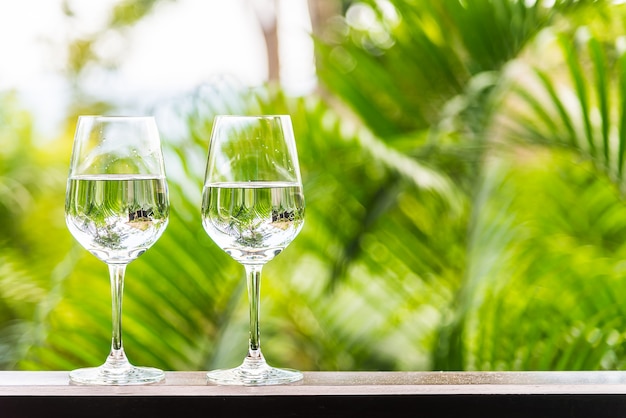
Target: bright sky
<point>181,45</point>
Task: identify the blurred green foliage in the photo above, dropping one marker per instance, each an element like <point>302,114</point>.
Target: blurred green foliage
<point>464,180</point>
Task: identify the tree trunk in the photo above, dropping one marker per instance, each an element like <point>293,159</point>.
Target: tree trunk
<point>267,15</point>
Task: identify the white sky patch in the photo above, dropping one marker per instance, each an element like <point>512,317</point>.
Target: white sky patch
<point>179,46</point>
<point>296,51</point>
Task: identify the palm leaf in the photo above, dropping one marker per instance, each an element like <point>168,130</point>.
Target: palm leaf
<point>621,64</point>
<point>595,136</point>
<point>553,303</point>
<point>435,258</point>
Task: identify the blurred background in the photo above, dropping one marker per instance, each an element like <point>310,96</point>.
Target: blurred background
<point>463,166</point>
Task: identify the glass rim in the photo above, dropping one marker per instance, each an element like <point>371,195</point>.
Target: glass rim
<point>254,116</point>
<point>114,117</point>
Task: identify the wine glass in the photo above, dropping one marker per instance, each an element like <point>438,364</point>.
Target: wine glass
<point>116,206</point>
<point>252,208</point>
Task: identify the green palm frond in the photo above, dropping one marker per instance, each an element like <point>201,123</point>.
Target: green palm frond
<point>555,244</point>
<point>446,240</point>
<point>578,105</point>
<point>553,302</point>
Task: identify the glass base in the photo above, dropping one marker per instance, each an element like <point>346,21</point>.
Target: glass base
<point>254,372</point>
<point>103,375</point>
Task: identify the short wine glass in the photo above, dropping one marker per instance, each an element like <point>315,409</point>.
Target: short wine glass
<point>116,206</point>
<point>252,208</point>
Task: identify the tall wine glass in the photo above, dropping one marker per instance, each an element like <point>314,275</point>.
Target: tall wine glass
<point>253,207</point>
<point>116,206</point>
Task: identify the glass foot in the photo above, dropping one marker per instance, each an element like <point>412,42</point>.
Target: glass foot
<point>102,375</point>
<point>254,372</point>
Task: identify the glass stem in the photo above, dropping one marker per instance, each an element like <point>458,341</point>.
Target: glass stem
<point>253,277</point>
<point>116,272</point>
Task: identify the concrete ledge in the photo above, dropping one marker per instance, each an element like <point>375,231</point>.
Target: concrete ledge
<point>334,394</point>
